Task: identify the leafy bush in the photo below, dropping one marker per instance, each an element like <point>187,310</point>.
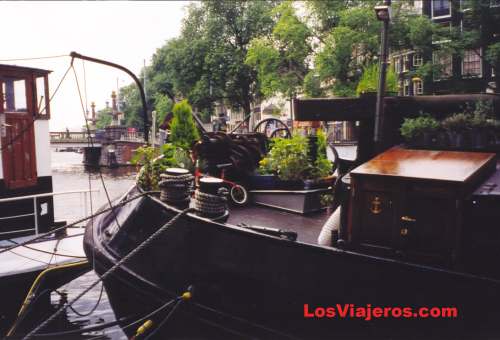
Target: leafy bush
<point>149,174</point>
<point>289,159</point>
<point>153,163</point>
<point>369,80</point>
<point>414,127</point>
<point>183,132</point>
<point>457,122</point>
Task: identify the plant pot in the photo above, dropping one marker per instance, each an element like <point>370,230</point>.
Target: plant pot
<point>264,182</point>
<point>290,184</point>
<point>429,139</point>
<point>442,141</point>
<point>457,139</point>
<point>479,138</point>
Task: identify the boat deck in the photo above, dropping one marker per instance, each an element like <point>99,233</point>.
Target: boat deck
<point>307,226</point>
<point>38,255</point>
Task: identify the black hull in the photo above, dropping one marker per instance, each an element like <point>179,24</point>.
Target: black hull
<point>256,285</point>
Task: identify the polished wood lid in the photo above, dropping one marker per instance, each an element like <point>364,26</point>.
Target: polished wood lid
<point>454,166</point>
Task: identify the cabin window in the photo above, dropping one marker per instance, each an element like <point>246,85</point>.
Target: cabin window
<point>42,100</point>
<point>471,63</point>
<point>441,8</point>
<point>417,59</point>
<point>14,92</point>
<point>342,135</point>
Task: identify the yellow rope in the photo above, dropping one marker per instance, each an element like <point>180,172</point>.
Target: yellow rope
<point>38,279</point>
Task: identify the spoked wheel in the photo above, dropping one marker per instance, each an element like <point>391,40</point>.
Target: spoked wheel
<point>239,195</point>
<point>280,128</point>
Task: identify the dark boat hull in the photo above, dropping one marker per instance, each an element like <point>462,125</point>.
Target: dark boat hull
<point>255,285</point>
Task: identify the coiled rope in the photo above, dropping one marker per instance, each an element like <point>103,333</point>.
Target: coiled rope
<point>176,189</point>
<point>110,271</point>
<point>211,205</point>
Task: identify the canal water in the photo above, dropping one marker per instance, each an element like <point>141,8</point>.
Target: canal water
<point>69,174</point>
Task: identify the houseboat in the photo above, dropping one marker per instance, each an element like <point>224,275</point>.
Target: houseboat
<point>416,240</point>
<point>26,193</point>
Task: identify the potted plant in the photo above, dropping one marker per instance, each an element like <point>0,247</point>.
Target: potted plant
<point>420,131</point>
<point>480,128</point>
<point>457,126</point>
<point>300,178</point>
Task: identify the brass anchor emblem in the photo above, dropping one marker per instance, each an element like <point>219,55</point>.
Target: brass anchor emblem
<point>376,205</point>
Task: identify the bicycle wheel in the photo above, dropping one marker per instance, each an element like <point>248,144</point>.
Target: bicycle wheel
<point>239,195</point>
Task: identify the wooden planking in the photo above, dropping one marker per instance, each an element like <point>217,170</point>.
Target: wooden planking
<point>451,166</point>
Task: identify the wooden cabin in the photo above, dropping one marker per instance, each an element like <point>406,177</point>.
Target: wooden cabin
<point>433,206</point>
<point>25,167</point>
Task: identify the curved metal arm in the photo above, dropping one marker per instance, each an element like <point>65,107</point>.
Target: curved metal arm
<point>145,117</point>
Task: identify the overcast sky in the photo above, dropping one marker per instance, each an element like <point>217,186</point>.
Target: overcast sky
<point>126,33</point>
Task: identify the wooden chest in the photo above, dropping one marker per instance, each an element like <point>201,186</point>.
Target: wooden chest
<point>410,202</point>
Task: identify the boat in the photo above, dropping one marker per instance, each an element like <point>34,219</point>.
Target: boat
<point>28,245</point>
<point>413,257</point>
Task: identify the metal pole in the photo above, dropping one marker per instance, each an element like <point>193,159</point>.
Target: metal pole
<point>379,112</point>
<point>35,210</point>
<point>139,85</point>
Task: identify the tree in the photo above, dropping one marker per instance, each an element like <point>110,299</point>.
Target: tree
<point>205,64</point>
<point>349,47</point>
<point>281,59</point>
<point>163,105</point>
<point>104,118</point>
<point>183,132</point>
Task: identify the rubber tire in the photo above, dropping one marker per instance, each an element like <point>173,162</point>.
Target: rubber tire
<point>245,195</point>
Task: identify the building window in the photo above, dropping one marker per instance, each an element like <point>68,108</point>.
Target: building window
<point>445,62</point>
<point>471,63</point>
<point>406,87</point>
<point>443,33</point>
<point>417,59</point>
<point>397,65</point>
<point>406,63</point>
<point>494,3</point>
<point>418,86</point>
<point>465,5</point>
<point>441,8</point>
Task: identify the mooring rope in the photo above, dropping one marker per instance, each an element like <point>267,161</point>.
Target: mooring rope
<point>110,271</point>
<point>176,189</point>
<point>209,204</point>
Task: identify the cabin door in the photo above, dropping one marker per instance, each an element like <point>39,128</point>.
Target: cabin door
<point>17,132</point>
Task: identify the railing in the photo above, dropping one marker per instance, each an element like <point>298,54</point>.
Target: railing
<point>69,137</point>
<point>35,207</point>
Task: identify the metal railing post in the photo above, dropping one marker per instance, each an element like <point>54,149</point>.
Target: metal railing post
<point>35,211</point>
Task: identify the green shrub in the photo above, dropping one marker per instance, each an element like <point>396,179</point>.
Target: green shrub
<point>154,164</point>
<point>183,131</point>
<point>457,122</point>
<point>369,80</point>
<point>289,159</point>
<point>414,127</point>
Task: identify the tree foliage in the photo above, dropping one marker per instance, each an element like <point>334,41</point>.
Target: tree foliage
<point>281,59</point>
<point>183,132</point>
<point>104,118</point>
<point>237,52</point>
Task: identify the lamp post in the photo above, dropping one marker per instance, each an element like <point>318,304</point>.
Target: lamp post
<point>383,13</point>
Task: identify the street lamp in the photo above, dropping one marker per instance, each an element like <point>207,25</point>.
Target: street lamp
<point>383,13</point>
